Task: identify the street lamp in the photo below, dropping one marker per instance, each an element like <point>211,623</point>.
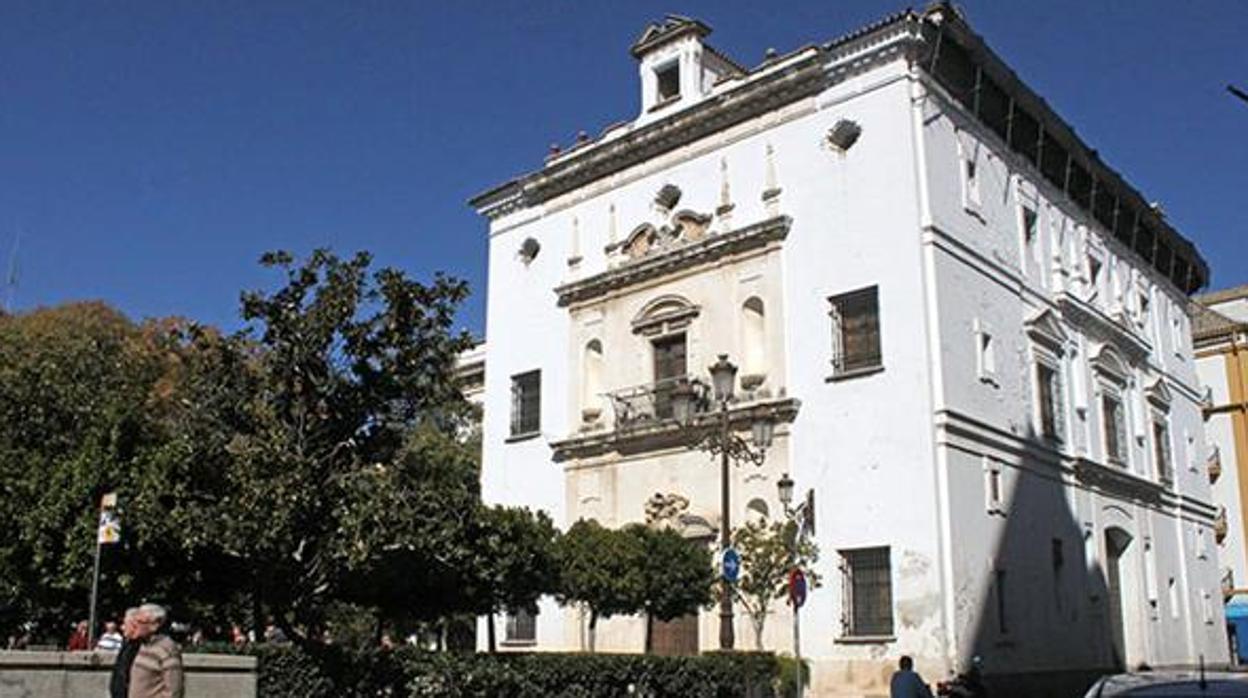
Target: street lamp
<point>719,438</point>
<point>803,519</point>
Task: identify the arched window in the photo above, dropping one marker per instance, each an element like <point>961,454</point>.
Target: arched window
<point>754,364</point>
<point>591,382</point>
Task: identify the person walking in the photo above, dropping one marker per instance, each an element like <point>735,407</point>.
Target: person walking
<point>906,682</point>
<point>149,664</point>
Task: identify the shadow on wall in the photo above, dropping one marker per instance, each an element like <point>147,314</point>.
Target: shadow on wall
<point>1050,597</point>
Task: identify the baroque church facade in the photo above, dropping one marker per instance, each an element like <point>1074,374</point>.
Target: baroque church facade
<point>970,334</point>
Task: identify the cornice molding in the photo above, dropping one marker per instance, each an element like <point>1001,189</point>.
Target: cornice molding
<point>679,258</point>
<point>773,86</point>
<point>1117,481</point>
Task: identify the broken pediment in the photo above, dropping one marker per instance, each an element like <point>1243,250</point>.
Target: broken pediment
<point>1110,362</point>
<point>1045,327</point>
<point>1159,394</point>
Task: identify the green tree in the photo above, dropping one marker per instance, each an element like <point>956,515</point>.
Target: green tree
<point>79,387</point>
<point>598,570</point>
<point>316,455</point>
<point>768,553</point>
<point>676,576</point>
<point>513,562</point>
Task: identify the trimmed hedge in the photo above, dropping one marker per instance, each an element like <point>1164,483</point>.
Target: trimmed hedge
<point>334,672</point>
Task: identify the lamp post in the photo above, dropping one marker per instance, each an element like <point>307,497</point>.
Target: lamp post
<point>803,518</point>
<point>718,437</point>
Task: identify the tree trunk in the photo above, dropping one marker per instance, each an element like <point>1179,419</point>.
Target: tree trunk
<point>489,628</point>
<point>758,622</point>
<point>649,647</point>
<point>593,625</point>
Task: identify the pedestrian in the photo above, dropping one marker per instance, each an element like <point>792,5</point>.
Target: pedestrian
<point>110,640</point>
<point>149,664</point>
<point>119,681</point>
<point>78,638</point>
<point>906,682</point>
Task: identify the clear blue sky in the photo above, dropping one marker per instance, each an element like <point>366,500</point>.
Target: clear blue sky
<point>150,151</point>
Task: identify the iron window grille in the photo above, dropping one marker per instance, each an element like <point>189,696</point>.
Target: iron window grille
<point>521,626</point>
<point>1049,388</point>
<point>1115,428</point>
<point>526,403</point>
<point>866,579</point>
<point>856,331</point>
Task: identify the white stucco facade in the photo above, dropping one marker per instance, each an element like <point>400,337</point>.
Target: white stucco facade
<point>998,537</point>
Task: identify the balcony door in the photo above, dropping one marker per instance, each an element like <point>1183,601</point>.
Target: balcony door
<point>670,366</point>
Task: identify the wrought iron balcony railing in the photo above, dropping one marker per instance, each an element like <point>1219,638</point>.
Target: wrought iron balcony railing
<point>651,403</point>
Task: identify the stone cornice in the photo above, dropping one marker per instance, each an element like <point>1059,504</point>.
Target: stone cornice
<point>1118,481</point>
<point>667,434</point>
<point>1101,327</point>
<point>703,251</point>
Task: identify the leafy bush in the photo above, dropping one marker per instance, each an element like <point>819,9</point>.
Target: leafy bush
<point>334,672</point>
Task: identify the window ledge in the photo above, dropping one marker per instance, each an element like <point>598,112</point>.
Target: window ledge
<point>855,373</point>
<point>865,639</point>
<point>518,643</point>
<point>516,438</point>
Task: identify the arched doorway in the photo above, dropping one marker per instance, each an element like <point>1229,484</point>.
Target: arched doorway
<point>1117,544</point>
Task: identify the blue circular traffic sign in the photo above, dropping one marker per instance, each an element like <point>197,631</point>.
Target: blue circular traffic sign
<point>730,562</point>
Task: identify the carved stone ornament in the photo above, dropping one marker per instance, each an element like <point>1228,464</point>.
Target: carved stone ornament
<point>663,510</point>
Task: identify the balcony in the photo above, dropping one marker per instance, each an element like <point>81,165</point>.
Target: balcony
<point>1220,526</point>
<point>642,419</point>
<point>643,406</point>
<point>1214,464</point>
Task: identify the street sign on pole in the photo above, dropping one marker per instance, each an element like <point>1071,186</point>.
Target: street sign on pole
<point>797,588</point>
<point>730,562</point>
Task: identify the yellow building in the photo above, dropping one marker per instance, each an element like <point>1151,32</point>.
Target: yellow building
<point>1220,339</point>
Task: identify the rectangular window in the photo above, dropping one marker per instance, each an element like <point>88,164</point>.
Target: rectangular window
<point>668,80</point>
<point>1115,428</point>
<point>1059,564</point>
<point>1161,451</point>
<point>985,354</point>
<point>999,582</point>
<point>866,579</point>
<point>521,627</point>
<point>526,403</point>
<point>970,171</point>
<point>994,489</point>
<point>1049,394</point>
<point>856,331</point>
<point>670,367</point>
<point>1030,229</point>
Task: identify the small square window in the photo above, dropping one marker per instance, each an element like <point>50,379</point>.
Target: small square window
<point>866,578</point>
<point>856,331</point>
<point>526,403</point>
<point>668,80</point>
